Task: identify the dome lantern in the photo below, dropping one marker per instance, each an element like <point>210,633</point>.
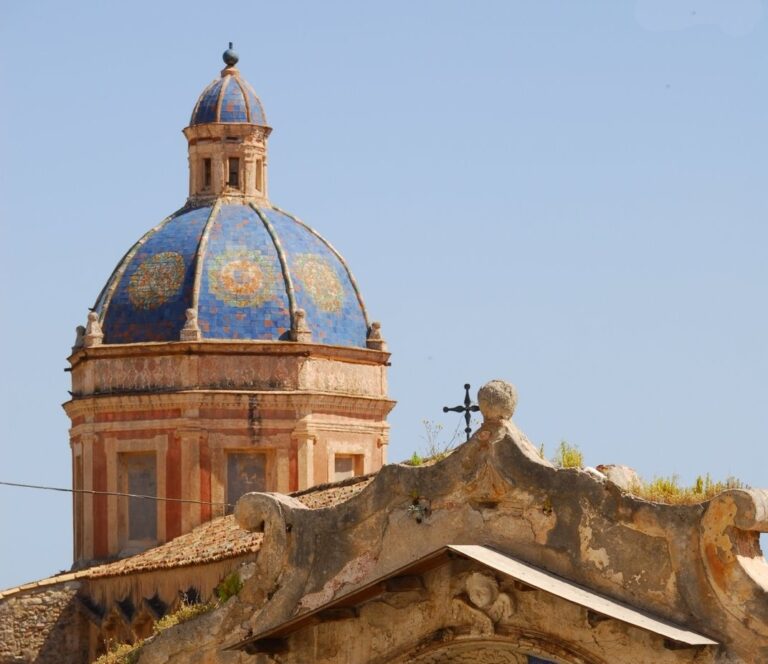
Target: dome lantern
<point>229,265</point>
<point>227,136</point>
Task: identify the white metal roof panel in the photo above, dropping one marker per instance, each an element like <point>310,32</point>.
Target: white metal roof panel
<point>538,578</point>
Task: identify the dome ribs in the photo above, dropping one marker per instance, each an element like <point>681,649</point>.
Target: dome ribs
<point>258,116</point>
<point>332,249</point>
<point>246,101</point>
<point>283,265</point>
<point>220,98</point>
<point>205,107</point>
<point>202,246</point>
<point>198,102</point>
<point>117,274</point>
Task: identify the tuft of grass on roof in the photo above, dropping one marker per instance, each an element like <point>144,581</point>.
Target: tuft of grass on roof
<point>184,613</point>
<point>129,653</point>
<point>669,490</point>
<point>121,653</point>
<point>229,587</point>
<point>566,456</point>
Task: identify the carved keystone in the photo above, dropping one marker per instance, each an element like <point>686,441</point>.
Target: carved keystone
<point>483,590</point>
<point>497,400</point>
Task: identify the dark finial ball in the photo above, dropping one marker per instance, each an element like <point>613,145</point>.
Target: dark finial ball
<point>230,57</point>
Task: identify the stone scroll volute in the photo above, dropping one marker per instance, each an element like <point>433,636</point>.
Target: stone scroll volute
<point>730,549</point>
<point>271,514</point>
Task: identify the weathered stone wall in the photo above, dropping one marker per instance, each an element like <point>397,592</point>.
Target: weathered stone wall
<point>696,566</point>
<point>43,626</point>
<point>229,366</point>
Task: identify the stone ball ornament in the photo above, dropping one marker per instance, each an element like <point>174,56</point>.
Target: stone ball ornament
<point>497,400</point>
<point>230,57</point>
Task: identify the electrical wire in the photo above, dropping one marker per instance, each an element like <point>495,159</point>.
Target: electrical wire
<point>112,493</point>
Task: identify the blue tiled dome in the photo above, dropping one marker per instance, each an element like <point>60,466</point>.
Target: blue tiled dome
<point>244,269</point>
<point>229,99</point>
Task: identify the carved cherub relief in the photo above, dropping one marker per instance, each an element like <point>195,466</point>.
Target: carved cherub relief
<point>481,603</point>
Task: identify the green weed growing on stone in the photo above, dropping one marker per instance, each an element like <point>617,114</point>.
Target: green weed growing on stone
<point>229,587</point>
<point>669,490</point>
<point>121,653</point>
<point>127,653</point>
<point>182,614</point>
<point>567,456</point>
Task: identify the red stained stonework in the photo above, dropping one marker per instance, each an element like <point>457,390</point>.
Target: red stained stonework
<point>173,489</point>
<point>100,517</point>
<point>182,402</point>
<point>205,480</point>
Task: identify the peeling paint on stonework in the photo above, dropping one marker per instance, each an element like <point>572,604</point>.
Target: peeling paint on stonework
<point>597,556</point>
<point>352,573</point>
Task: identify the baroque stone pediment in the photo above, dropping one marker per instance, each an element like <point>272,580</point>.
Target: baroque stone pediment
<point>690,565</point>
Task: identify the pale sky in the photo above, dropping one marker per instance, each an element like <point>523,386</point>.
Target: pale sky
<point>570,196</point>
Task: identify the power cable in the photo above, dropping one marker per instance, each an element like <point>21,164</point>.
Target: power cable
<point>112,493</point>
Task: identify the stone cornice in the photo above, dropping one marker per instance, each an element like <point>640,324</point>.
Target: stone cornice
<point>228,347</point>
<point>186,399</point>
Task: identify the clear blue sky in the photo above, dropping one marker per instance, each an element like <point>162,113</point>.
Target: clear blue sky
<point>567,195</point>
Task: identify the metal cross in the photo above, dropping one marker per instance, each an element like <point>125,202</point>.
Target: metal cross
<point>467,409</point>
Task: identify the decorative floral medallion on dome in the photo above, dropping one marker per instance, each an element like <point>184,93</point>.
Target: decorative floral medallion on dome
<point>156,280</point>
<point>242,278</point>
<point>320,281</point>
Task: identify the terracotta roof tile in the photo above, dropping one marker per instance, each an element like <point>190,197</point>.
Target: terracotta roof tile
<point>222,538</point>
<point>210,542</point>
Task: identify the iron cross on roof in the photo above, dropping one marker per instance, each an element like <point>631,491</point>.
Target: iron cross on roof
<point>468,408</point>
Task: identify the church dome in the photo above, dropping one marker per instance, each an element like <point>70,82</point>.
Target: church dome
<point>243,270</point>
<point>229,99</point>
<point>229,265</point>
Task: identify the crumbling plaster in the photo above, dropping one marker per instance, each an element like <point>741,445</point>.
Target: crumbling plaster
<point>699,566</point>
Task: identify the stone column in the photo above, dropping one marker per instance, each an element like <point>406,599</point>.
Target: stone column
<point>190,478</point>
<point>305,446</point>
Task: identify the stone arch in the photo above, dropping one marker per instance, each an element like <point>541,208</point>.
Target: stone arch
<point>516,649</point>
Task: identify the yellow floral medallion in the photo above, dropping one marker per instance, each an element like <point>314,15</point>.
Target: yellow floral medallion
<point>320,281</point>
<point>157,280</point>
<point>242,278</point>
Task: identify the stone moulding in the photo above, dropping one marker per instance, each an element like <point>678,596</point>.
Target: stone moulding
<point>225,346</point>
<point>697,566</point>
<point>172,366</point>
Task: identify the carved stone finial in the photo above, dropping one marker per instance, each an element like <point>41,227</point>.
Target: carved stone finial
<point>375,341</point>
<point>301,331</point>
<point>79,338</point>
<point>93,334</point>
<point>497,400</point>
<point>191,330</point>
<point>230,57</point>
